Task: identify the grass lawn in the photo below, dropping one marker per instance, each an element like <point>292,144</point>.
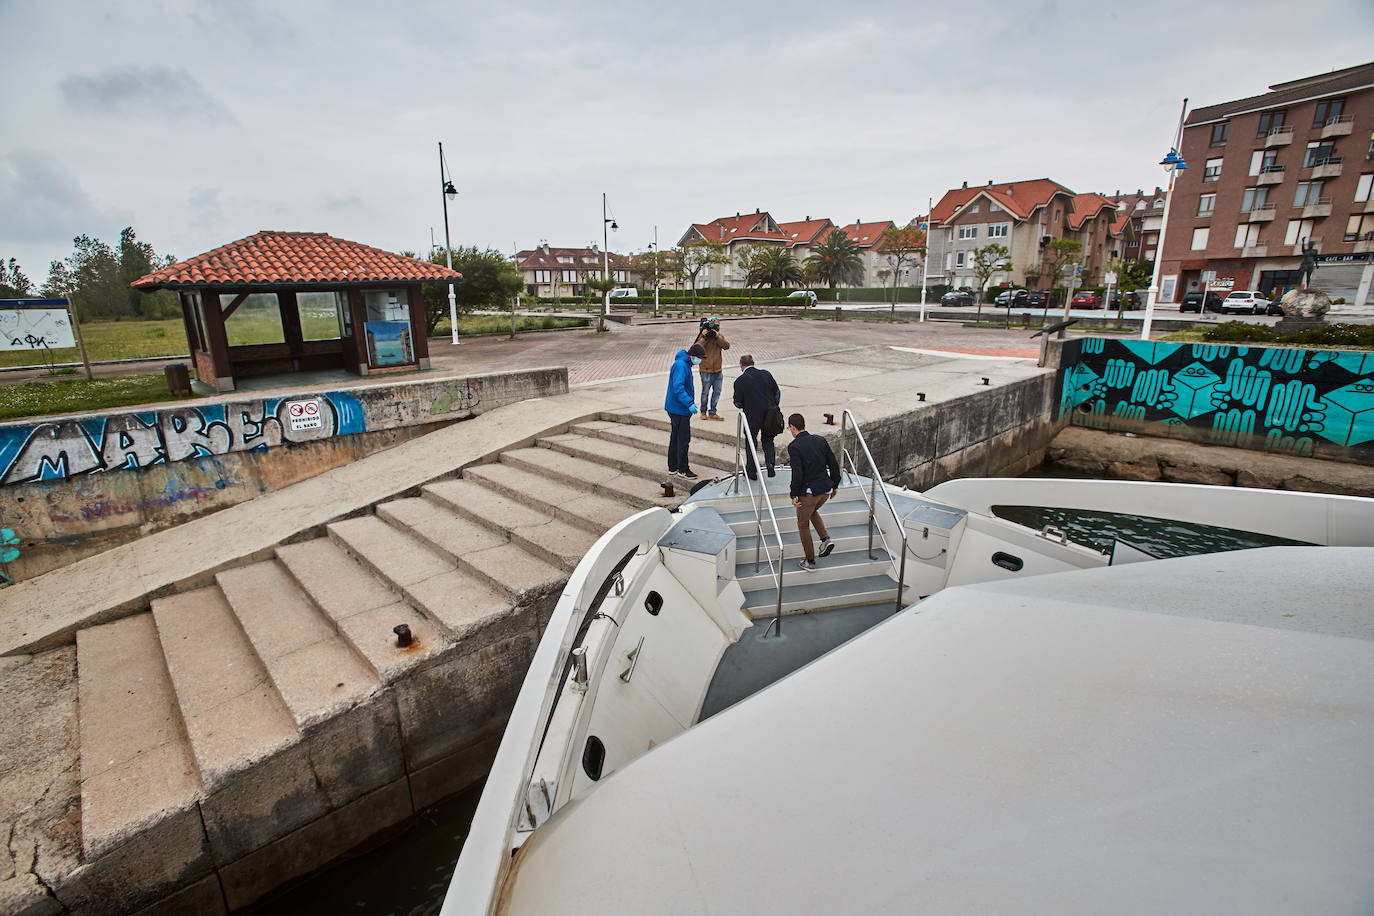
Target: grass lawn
<point>28,399</point>
<point>112,340</point>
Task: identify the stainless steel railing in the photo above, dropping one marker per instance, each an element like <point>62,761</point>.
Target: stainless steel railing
<point>847,461</point>
<point>744,439</point>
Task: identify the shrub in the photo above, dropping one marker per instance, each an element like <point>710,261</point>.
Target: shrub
<point>1326,335</point>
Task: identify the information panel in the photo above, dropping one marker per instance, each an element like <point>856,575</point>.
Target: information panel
<point>35,324</point>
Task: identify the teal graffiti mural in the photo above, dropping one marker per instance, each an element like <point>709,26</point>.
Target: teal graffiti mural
<point>85,445</point>
<point>9,552</point>
<point>1275,398</point>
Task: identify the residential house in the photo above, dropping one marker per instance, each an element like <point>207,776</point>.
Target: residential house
<point>867,237</point>
<point>735,233</point>
<point>562,271</point>
<point>806,235</point>
<point>1269,175</point>
<point>1022,216</point>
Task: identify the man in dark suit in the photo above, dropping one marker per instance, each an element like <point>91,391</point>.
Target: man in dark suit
<point>755,393</point>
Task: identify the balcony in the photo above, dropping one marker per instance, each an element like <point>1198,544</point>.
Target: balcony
<point>1365,243</point>
<point>1315,240</point>
<point>1317,210</point>
<point>1254,251</point>
<point>1341,126</point>
<point>1270,174</point>
<point>1330,167</point>
<point>1279,136</point>
<point>1261,214</point>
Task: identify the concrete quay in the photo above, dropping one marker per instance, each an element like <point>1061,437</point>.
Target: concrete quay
<point>215,709</point>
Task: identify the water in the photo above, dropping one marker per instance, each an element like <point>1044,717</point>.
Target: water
<point>406,876</point>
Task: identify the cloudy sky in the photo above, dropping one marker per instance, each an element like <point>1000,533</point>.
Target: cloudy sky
<point>201,122</point>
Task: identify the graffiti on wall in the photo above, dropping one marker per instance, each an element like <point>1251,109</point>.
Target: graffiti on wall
<point>1283,400</point>
<point>85,445</point>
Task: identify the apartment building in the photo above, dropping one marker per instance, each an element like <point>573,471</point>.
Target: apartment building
<point>1268,175</point>
<point>1144,211</point>
<point>1022,216</point>
<point>867,237</point>
<point>563,271</point>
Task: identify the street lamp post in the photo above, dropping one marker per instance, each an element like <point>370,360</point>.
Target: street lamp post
<point>449,193</point>
<point>606,263</point>
<point>925,254</point>
<point>653,246</point>
<point>1174,164</point>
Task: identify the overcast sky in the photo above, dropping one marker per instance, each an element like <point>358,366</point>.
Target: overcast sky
<point>199,123</point>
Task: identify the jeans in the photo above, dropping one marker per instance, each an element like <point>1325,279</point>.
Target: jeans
<point>678,440</point>
<point>769,454</point>
<point>808,514</point>
<point>710,391</point>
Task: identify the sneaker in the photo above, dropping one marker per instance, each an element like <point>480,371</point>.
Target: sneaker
<point>807,565</point>
<point>772,473</point>
<point>827,545</point>
<point>687,475</point>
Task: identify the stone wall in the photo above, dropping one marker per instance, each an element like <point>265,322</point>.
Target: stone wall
<point>73,486</point>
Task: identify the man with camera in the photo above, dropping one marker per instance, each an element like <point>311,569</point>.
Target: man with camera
<point>712,374</point>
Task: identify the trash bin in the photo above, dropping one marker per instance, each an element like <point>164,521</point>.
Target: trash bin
<point>178,378</point>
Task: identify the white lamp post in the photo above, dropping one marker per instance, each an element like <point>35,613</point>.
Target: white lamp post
<point>606,263</point>
<point>449,192</point>
<point>653,246</point>
<point>1173,163</point>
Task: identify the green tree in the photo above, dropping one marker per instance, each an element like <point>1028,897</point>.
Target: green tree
<point>902,246</point>
<point>138,259</point>
<point>489,279</point>
<point>696,257</point>
<point>1134,274</point>
<point>775,268</point>
<point>837,260</point>
<point>1055,261</point>
<point>988,260</point>
<point>94,271</point>
<point>13,283</point>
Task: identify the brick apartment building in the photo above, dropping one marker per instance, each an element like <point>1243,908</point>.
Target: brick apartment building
<point>1144,211</point>
<point>1267,174</point>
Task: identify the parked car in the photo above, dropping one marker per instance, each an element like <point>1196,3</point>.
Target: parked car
<point>956,297</point>
<point>625,292</point>
<point>1010,297</point>
<point>1245,301</point>
<point>1197,301</point>
<point>803,294</point>
<point>1275,307</point>
<point>1087,300</point>
<point>1133,300</point>
<point>1037,298</point>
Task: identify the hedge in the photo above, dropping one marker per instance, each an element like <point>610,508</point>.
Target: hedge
<point>1330,335</point>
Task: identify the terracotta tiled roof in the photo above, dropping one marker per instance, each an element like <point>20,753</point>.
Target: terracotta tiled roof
<point>1019,198</point>
<point>276,258</point>
<point>1085,206</point>
<point>754,227</point>
<point>543,258</point>
<point>806,231</point>
<point>866,235</point>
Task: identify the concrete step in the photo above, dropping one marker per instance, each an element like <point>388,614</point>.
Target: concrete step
<point>801,593</point>
<point>462,602</point>
<point>841,564</point>
<point>591,511</point>
<point>233,713</point>
<point>552,539</point>
<point>836,512</point>
<point>706,452</point>
<point>473,547</point>
<point>364,609</point>
<point>316,671</point>
<point>592,476</point>
<point>713,430</point>
<point>137,766</point>
<point>624,458</point>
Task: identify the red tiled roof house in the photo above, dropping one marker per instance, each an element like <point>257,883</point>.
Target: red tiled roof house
<point>281,302</point>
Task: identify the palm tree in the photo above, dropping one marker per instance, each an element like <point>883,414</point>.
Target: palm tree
<point>837,260</point>
<point>774,267</point>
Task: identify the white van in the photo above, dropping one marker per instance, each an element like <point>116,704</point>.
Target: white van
<point>625,292</point>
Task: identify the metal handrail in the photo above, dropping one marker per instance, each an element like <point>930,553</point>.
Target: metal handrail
<point>847,420</point>
<point>745,438</point>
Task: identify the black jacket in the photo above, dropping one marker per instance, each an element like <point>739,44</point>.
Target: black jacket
<point>755,392</point>
<point>813,465</point>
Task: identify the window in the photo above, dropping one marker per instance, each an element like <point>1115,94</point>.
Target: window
<point>569,276</point>
<point>959,259</point>
<point>1270,122</point>
<point>1360,228</point>
<point>1370,154</point>
<point>198,317</point>
<point>1263,161</point>
<point>541,276</point>
<point>1199,239</point>
<point>1247,236</point>
<point>1309,194</point>
<point>1212,171</point>
<point>1327,112</point>
<point>1140,205</point>
<point>1362,189</point>
<point>968,232</point>
<point>1318,153</point>
<point>1297,229</point>
<point>320,315</point>
<point>993,208</point>
<point>1220,132</point>
<point>257,320</point>
<point>998,230</point>
<point>1206,204</point>
<point>974,208</point>
<point>1254,199</point>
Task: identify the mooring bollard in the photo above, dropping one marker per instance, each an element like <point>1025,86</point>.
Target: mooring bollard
<point>667,489</point>
<point>920,395</point>
<point>830,419</point>
<point>403,637</point>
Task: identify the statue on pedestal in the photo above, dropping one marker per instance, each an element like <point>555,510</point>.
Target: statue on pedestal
<point>1309,262</point>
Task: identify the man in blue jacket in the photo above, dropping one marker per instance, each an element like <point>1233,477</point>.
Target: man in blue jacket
<point>815,478</point>
<point>681,403</point>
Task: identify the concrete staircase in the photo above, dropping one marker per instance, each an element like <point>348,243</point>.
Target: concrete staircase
<point>251,730</point>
